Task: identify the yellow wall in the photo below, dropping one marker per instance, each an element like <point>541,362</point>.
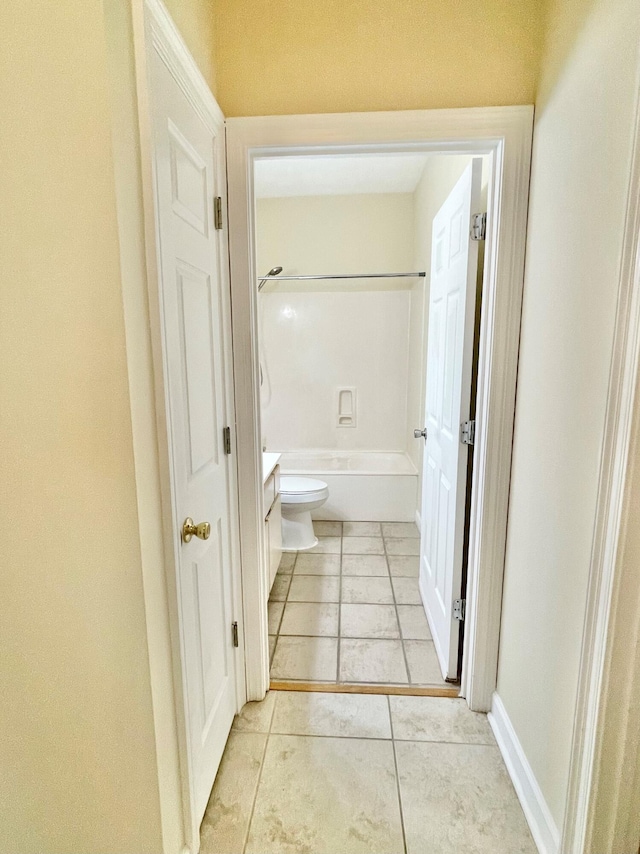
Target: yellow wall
<point>77,750</point>
<point>318,56</point>
<point>195,20</point>
<point>581,157</point>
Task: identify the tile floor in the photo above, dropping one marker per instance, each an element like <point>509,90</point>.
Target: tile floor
<point>349,610</point>
<point>320,773</point>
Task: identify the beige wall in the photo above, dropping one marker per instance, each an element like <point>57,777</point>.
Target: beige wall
<point>316,56</point>
<point>78,768</point>
<point>195,20</point>
<point>584,118</point>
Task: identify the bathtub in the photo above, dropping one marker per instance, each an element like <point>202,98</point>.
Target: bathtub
<point>367,486</point>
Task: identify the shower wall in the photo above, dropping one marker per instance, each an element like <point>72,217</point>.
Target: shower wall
<point>321,337</point>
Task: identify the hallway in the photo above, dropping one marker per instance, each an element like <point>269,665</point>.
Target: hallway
<point>362,774</point>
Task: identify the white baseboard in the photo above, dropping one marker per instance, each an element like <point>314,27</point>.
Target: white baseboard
<point>543,827</point>
<point>418,520</point>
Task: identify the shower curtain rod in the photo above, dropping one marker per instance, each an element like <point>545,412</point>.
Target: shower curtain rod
<point>343,276</point>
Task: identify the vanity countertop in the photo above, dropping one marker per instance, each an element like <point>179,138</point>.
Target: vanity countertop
<point>269,462</point>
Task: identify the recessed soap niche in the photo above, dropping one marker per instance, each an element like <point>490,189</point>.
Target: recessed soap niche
<point>346,415</point>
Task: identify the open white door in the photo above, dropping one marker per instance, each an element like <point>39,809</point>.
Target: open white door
<point>454,266</point>
<point>188,149</point>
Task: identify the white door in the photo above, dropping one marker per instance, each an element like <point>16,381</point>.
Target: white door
<point>454,265</point>
<point>195,314</point>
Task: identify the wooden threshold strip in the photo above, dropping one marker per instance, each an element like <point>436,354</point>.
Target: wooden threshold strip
<point>367,688</point>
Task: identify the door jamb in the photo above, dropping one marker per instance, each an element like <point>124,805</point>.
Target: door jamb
<point>608,698</point>
<point>154,30</point>
<point>504,132</point>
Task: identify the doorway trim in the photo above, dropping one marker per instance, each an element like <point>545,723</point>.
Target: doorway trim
<point>603,797</point>
<point>505,133</point>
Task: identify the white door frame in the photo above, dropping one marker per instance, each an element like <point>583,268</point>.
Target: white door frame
<point>505,133</point>
<point>154,31</point>
<point>604,775</point>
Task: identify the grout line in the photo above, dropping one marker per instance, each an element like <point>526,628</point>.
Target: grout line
<point>255,794</point>
<point>284,604</point>
<point>377,737</point>
<point>395,763</point>
<point>327,735</point>
<point>339,608</point>
<point>393,593</point>
<point>286,599</point>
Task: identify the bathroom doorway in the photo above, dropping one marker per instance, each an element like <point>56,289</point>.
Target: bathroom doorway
<point>335,360</point>
<point>346,245</point>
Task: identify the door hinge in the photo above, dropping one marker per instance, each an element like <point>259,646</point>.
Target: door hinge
<point>468,432</point>
<point>479,226</point>
<point>459,607</point>
<point>226,438</point>
<point>234,633</point>
<point>217,211</point>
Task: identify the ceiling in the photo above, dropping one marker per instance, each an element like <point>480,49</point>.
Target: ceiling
<point>338,175</point>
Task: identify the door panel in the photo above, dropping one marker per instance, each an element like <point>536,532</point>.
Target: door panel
<point>197,341</point>
<point>196,326</point>
<point>454,266</point>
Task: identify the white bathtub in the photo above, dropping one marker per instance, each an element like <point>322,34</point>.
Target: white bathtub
<point>367,486</point>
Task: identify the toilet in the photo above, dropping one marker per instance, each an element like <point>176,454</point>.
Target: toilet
<point>299,496</point>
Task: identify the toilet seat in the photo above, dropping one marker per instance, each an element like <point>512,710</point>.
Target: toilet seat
<point>302,490</point>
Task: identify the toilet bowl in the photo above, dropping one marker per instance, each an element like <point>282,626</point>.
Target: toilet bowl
<point>299,496</point>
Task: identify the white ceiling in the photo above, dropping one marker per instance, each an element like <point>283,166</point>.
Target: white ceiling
<point>338,175</point>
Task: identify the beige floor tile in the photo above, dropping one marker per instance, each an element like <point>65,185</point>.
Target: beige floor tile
<point>372,661</point>
<point>310,618</point>
<point>280,588</point>
<point>287,561</point>
<point>459,798</point>
<point>326,545</point>
<point>345,715</point>
<point>326,796</point>
<point>314,588</point>
<point>256,717</point>
<point>402,546</point>
<point>368,621</point>
<point>327,564</point>
<point>406,591</point>
<point>272,646</point>
<point>361,529</point>
<point>400,529</point>
<point>413,622</point>
<point>362,546</point>
<point>309,659</point>
<point>423,663</point>
<point>404,565</point>
<point>228,812</point>
<point>364,565</point>
<point>438,719</point>
<point>366,590</point>
<point>327,529</point>
<point>274,611</point>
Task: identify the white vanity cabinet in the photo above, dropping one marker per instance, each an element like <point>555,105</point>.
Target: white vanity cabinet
<point>272,523</point>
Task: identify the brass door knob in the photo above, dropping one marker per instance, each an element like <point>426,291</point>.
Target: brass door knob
<point>202,531</point>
